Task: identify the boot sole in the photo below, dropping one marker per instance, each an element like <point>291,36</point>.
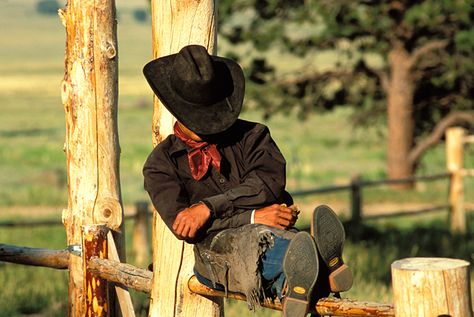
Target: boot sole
<point>301,268</point>
<point>329,234</point>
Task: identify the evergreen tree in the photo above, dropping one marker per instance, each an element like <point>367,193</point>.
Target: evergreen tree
<point>410,63</point>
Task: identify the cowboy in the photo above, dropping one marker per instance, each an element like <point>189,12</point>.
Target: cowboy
<point>219,183</point>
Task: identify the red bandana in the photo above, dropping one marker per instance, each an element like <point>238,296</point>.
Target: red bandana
<point>200,154</point>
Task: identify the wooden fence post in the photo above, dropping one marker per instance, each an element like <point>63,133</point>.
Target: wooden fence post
<point>175,24</point>
<point>140,234</point>
<point>427,287</point>
<point>454,161</point>
<point>356,200</point>
<point>94,244</point>
<point>89,94</point>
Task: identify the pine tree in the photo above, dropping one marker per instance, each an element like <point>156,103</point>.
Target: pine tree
<point>410,63</point>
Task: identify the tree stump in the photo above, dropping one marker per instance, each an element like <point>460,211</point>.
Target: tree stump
<point>431,287</point>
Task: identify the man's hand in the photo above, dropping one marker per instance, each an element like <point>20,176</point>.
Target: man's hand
<point>190,220</point>
<point>275,215</point>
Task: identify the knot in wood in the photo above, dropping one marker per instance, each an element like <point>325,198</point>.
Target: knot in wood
<point>110,51</point>
<point>107,212</point>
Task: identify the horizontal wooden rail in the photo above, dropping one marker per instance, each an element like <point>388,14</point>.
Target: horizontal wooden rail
<point>122,273</point>
<point>30,223</point>
<point>141,280</point>
<point>45,222</point>
<point>390,214</point>
<point>363,183</point>
<point>57,259</point>
<point>405,180</point>
<point>468,172</point>
<point>321,190</point>
<point>324,306</point>
<point>468,139</point>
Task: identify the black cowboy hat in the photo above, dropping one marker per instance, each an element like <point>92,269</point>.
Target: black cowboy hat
<point>203,92</point>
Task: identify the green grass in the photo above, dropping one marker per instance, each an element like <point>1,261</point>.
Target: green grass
<point>369,250</point>
<point>323,150</point>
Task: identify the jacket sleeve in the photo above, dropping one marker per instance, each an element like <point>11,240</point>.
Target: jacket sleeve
<point>264,178</point>
<point>169,195</point>
<point>235,220</point>
<point>164,187</point>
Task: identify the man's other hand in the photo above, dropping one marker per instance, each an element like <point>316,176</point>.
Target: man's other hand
<point>275,215</point>
<point>190,220</point>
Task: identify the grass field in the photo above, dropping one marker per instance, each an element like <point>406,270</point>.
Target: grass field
<point>323,150</point>
<point>369,251</point>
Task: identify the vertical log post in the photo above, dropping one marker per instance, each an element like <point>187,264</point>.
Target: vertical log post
<point>140,234</point>
<point>89,94</point>
<point>94,243</point>
<point>177,23</point>
<point>356,200</point>
<point>454,161</point>
<point>426,287</point>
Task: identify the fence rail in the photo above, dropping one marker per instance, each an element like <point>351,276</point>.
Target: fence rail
<point>357,185</point>
<point>455,140</point>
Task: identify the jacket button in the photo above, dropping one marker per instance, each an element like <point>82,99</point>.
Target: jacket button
<point>221,180</point>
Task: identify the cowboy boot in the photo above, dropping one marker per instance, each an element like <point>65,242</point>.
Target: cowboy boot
<point>329,234</point>
<point>301,268</point>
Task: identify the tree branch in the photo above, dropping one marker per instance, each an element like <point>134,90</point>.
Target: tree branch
<point>425,49</point>
<point>380,74</point>
<point>438,132</point>
<point>311,76</point>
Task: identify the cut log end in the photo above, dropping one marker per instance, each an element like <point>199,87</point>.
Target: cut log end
<point>431,287</point>
<point>429,264</point>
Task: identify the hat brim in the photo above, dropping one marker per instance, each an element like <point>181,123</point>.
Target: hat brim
<point>201,119</point>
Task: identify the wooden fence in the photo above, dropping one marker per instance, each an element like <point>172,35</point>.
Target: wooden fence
<point>456,140</point>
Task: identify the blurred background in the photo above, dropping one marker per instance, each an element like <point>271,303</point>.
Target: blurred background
<point>354,92</point>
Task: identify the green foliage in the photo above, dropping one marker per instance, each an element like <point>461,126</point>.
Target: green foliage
<point>360,36</point>
<point>47,7</point>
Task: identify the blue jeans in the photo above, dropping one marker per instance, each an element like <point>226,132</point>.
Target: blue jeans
<point>271,269</point>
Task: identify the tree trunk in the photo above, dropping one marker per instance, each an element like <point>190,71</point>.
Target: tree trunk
<point>89,95</point>
<point>177,23</point>
<point>400,114</point>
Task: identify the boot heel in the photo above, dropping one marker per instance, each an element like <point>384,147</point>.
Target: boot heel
<point>340,280</point>
<point>294,307</point>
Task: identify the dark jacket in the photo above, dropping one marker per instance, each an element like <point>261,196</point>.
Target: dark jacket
<point>252,176</point>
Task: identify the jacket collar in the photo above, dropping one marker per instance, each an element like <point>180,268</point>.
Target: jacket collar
<point>177,146</point>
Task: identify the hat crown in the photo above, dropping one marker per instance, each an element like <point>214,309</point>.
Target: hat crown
<point>194,76</point>
<point>204,92</point>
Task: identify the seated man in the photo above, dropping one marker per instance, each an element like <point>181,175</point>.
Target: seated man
<point>219,182</point>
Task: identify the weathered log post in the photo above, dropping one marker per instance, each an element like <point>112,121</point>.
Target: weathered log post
<point>454,162</point>
<point>426,287</point>
<point>177,23</point>
<point>140,246</point>
<point>89,94</point>
<point>94,244</point>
